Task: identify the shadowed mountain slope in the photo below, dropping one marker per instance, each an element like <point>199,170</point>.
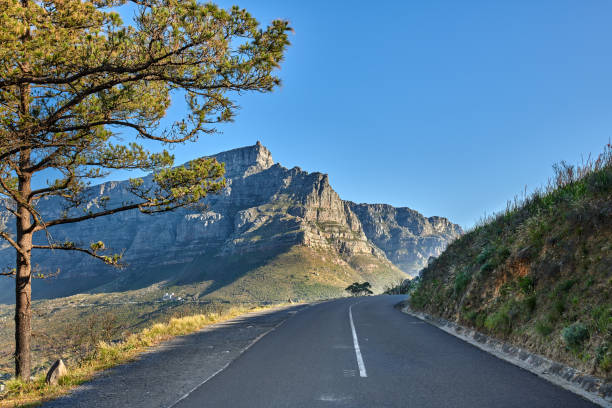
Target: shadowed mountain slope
<point>271,233</point>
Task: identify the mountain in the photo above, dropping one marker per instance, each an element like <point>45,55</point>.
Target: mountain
<point>408,238</point>
<point>272,234</point>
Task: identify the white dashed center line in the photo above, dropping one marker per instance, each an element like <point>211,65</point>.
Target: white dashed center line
<point>362,370</point>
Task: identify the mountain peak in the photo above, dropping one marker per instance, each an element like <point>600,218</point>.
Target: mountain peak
<point>244,161</point>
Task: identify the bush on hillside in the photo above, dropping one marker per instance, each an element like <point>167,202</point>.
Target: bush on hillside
<point>526,284</point>
<point>462,279</point>
<point>543,329</point>
<point>575,334</point>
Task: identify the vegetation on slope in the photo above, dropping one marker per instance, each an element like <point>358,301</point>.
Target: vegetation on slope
<point>104,344</point>
<point>71,328</point>
<point>539,274</point>
<point>295,273</point>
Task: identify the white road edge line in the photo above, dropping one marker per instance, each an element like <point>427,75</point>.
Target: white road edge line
<point>230,362</point>
<point>362,370</point>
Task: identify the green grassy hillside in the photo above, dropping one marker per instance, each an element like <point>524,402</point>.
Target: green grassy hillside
<point>304,273</point>
<point>294,273</point>
<point>539,274</point>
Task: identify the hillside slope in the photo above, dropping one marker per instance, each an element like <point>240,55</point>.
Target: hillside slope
<point>272,234</point>
<point>538,275</point>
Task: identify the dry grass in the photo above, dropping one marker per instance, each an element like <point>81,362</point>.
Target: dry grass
<point>19,393</point>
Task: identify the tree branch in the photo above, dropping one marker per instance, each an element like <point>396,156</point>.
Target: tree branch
<point>140,129</point>
<point>65,247</point>
<point>61,221</point>
<point>13,243</point>
<point>101,69</point>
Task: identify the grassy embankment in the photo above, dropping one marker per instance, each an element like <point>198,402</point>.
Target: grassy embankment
<point>539,274</point>
<point>98,343</point>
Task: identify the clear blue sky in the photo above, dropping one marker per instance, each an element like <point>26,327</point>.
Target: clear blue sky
<point>447,107</point>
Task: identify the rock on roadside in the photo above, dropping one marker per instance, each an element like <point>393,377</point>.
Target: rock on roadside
<point>57,371</point>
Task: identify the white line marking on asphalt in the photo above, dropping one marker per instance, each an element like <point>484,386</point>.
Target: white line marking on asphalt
<point>333,398</point>
<point>251,344</point>
<point>362,370</point>
<point>349,373</point>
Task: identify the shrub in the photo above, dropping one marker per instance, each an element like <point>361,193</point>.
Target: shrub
<point>487,267</point>
<point>543,328</point>
<point>566,285</point>
<point>575,334</point>
<point>552,317</point>
<point>559,306</point>
<point>471,316</point>
<point>526,284</point>
<point>477,318</point>
<point>484,255</point>
<point>462,279</point>
<point>602,317</point>
<point>538,229</point>
<point>419,298</point>
<point>502,254</point>
<point>499,322</point>
<point>600,181</point>
<point>603,356</point>
<point>480,320</point>
<point>505,289</point>
<point>530,303</point>
<point>491,257</point>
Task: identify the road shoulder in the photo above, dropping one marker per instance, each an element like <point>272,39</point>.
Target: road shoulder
<point>165,374</point>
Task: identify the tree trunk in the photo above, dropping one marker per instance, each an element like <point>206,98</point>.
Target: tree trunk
<point>23,285</point>
<point>23,272</point>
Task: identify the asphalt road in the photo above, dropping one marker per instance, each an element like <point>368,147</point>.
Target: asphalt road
<point>160,377</point>
<point>311,360</point>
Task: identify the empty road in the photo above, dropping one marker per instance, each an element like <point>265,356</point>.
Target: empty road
<point>362,352</point>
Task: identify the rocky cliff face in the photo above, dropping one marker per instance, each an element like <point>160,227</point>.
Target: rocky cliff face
<point>408,238</point>
<point>264,211</point>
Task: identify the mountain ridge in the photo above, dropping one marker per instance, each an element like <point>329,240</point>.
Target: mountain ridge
<point>266,211</point>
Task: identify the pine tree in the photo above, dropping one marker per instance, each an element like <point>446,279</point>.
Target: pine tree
<point>76,82</point>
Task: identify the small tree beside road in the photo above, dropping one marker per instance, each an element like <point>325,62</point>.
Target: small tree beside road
<point>359,289</point>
